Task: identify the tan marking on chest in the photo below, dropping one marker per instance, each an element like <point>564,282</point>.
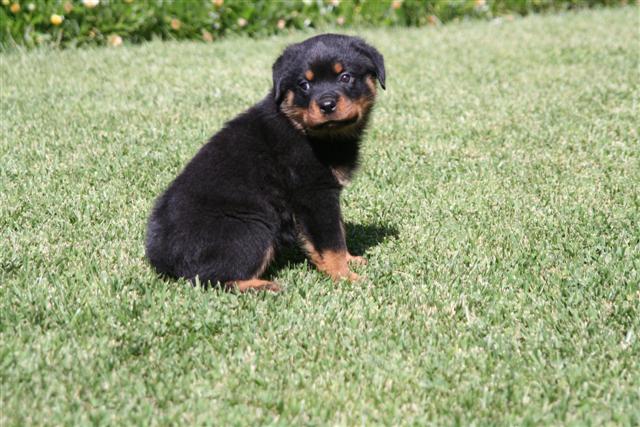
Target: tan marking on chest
<point>342,174</point>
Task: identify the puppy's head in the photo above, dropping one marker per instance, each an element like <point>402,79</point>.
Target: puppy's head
<point>327,84</point>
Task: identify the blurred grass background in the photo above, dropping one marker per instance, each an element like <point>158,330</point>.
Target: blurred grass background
<point>71,23</point>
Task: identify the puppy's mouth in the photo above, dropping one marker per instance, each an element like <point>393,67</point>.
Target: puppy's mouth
<point>346,118</point>
<point>336,124</point>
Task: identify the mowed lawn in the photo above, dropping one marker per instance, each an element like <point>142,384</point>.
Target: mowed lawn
<point>498,204</point>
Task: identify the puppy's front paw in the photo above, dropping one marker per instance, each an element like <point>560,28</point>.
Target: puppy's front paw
<point>348,275</point>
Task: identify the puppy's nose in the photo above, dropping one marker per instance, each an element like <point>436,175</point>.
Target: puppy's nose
<point>327,105</point>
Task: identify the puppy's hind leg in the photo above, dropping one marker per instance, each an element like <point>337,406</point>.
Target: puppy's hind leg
<point>231,253</point>
<point>256,284</point>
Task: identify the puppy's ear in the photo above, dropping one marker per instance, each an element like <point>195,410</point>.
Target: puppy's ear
<point>280,71</point>
<point>376,58</point>
<point>278,78</point>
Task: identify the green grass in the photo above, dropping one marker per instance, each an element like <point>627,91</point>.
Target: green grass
<point>498,204</point>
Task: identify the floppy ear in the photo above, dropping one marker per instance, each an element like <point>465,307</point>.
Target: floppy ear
<point>376,58</point>
<point>280,71</point>
<point>278,78</point>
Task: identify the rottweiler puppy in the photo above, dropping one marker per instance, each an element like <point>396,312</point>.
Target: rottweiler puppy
<point>273,175</point>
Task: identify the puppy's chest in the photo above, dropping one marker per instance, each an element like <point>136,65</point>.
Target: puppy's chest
<point>321,168</point>
<point>319,176</point>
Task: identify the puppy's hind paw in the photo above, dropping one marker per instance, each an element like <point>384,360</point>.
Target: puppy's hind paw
<point>255,285</point>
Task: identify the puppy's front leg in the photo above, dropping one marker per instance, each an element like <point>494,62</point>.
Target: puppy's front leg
<point>322,235</point>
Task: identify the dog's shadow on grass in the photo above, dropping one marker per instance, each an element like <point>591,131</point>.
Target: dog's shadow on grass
<point>360,238</point>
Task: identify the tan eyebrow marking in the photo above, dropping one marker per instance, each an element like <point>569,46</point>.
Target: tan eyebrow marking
<point>337,67</point>
<point>309,75</point>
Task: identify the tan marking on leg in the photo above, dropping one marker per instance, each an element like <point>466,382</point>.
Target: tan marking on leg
<point>333,263</point>
<point>256,284</point>
<point>268,257</point>
<point>309,75</point>
<point>337,67</point>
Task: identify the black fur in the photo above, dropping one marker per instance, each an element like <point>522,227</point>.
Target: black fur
<point>264,178</point>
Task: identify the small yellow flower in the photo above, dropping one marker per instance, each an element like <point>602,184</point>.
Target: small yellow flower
<point>217,3</point>
<point>68,7</point>
<point>175,24</point>
<point>90,4</point>
<point>114,40</point>
<point>5,2</point>
<point>207,36</point>
<point>480,3</point>
<point>128,1</point>
<point>15,8</point>
<point>281,24</point>
<point>396,4</point>
<point>242,22</point>
<point>56,19</point>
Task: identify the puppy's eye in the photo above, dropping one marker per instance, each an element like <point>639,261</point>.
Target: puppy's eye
<point>304,85</point>
<point>345,78</point>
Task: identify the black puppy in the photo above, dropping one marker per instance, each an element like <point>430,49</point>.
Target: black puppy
<point>273,174</point>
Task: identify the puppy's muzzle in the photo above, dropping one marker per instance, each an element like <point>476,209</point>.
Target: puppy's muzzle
<point>327,104</point>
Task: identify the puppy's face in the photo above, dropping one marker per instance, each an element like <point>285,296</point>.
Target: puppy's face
<point>327,84</point>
